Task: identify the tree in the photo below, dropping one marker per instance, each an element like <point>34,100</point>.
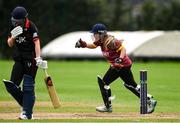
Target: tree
<point>147,18</point>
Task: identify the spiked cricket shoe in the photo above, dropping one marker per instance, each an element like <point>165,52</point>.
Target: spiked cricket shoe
<point>103,108</point>
<point>22,116</point>
<point>151,104</point>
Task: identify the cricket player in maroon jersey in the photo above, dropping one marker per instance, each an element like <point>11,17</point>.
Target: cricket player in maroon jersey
<point>24,38</point>
<point>120,66</point>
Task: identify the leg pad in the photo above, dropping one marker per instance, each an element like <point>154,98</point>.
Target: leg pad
<point>105,92</point>
<point>28,95</point>
<point>14,90</point>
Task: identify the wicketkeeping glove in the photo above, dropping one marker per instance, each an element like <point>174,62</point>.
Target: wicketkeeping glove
<point>118,63</point>
<point>80,44</point>
<point>118,60</point>
<point>16,31</point>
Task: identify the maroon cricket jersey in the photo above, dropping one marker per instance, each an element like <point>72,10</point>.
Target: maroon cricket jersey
<point>111,55</point>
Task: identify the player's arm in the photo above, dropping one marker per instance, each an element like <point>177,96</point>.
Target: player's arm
<point>118,47</point>
<point>39,61</point>
<point>119,60</point>
<point>37,47</point>
<point>10,41</point>
<point>122,51</point>
<point>91,46</point>
<point>82,44</point>
<point>14,33</point>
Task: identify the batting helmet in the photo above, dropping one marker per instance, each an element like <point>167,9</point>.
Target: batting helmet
<point>18,15</point>
<point>99,28</point>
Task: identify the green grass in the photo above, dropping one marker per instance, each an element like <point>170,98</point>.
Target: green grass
<point>76,82</point>
<point>90,121</point>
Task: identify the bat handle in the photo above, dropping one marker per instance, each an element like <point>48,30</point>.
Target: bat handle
<point>45,71</point>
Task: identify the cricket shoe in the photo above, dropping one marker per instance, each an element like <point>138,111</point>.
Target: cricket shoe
<point>103,108</point>
<point>22,116</point>
<point>151,104</point>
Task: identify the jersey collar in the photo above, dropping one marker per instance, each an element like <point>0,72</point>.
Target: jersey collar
<point>27,23</point>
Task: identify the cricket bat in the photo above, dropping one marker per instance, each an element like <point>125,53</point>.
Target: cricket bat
<point>51,89</point>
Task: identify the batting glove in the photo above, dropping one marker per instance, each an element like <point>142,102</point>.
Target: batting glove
<point>39,62</point>
<point>80,44</point>
<point>16,31</point>
<point>44,64</point>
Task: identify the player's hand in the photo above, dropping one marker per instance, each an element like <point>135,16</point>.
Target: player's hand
<point>39,62</point>
<point>80,44</point>
<point>16,31</point>
<point>44,64</point>
<point>118,62</point>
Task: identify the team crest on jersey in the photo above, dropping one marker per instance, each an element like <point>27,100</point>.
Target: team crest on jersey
<point>20,40</point>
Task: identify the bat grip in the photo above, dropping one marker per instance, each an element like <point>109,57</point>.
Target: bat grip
<point>45,71</point>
